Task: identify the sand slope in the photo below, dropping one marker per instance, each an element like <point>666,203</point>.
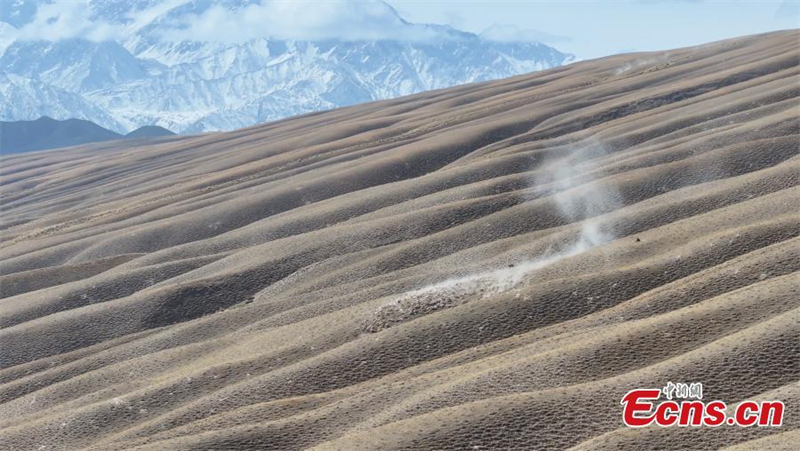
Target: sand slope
<point>490,266</point>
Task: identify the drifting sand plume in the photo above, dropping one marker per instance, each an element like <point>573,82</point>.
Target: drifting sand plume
<point>490,266</point>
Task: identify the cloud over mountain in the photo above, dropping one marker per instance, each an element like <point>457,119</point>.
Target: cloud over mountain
<point>230,22</point>
<point>57,21</point>
<point>351,21</point>
<point>512,33</point>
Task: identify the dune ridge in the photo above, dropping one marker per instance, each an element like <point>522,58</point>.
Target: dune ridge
<point>490,266</point>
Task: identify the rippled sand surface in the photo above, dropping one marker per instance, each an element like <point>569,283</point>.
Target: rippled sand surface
<point>490,266</point>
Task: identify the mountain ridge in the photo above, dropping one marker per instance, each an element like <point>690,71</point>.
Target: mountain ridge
<point>198,86</point>
<point>47,133</point>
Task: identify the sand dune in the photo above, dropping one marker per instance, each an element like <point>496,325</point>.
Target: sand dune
<point>490,266</point>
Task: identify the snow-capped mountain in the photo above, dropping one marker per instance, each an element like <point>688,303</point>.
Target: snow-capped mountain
<point>24,99</point>
<point>74,64</point>
<point>152,62</point>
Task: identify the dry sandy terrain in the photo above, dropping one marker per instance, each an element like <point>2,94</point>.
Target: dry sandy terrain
<point>490,266</point>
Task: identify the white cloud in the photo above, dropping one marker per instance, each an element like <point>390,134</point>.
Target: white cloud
<point>353,20</point>
<point>231,22</point>
<point>514,34</point>
<point>66,20</point>
<point>8,34</point>
<point>142,17</point>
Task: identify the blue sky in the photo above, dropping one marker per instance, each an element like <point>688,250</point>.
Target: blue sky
<point>591,29</point>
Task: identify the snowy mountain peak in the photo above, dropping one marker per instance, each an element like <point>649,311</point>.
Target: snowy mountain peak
<point>205,65</point>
